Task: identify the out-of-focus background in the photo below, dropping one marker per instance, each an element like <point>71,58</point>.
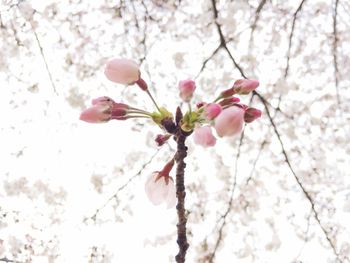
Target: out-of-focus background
<point>74,192</point>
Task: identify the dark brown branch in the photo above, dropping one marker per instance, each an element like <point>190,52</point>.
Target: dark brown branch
<point>306,193</point>
<point>181,194</point>
<point>335,54</point>
<point>291,37</point>
<point>265,103</point>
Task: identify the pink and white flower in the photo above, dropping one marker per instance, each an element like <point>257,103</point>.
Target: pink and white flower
<point>160,187</point>
<point>203,136</point>
<point>230,121</point>
<point>122,71</point>
<point>187,88</point>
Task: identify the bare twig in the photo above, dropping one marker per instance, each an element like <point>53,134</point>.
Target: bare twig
<point>335,54</point>
<point>266,106</point>
<point>115,195</point>
<point>291,37</point>
<point>256,19</point>
<point>229,205</point>
<point>207,60</point>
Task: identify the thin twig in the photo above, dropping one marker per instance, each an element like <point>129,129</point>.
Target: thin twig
<point>291,37</point>
<point>229,205</point>
<point>263,100</point>
<point>115,195</point>
<point>256,19</point>
<point>335,46</point>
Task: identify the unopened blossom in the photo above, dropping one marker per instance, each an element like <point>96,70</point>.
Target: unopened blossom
<point>101,112</point>
<point>212,110</point>
<point>161,139</point>
<point>230,121</point>
<point>160,187</point>
<point>229,101</point>
<point>122,71</point>
<point>251,114</point>
<point>187,88</point>
<point>203,136</point>
<point>244,86</point>
<point>104,109</point>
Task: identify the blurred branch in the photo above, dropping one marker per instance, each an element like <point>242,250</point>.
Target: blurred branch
<point>256,19</point>
<point>115,195</point>
<point>335,54</point>
<point>207,60</point>
<point>291,37</point>
<point>306,193</point>
<point>229,205</point>
<point>306,232</point>
<point>44,59</point>
<point>276,131</point>
<point>222,39</point>
<point>10,260</point>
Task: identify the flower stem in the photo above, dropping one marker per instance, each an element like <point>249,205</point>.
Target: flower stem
<point>154,102</point>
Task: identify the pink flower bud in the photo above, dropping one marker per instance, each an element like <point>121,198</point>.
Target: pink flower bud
<point>200,104</point>
<point>187,88</point>
<point>227,93</point>
<point>101,112</point>
<point>161,139</point>
<point>230,121</point>
<point>212,110</point>
<point>244,86</point>
<point>252,114</point>
<point>103,99</point>
<point>203,136</point>
<point>160,187</point>
<point>123,71</point>
<point>229,101</point>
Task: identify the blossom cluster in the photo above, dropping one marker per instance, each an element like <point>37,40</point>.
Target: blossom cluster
<point>225,114</point>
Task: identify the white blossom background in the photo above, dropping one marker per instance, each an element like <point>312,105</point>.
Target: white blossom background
<point>74,192</point>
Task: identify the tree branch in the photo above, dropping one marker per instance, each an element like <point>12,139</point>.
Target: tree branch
<point>180,156</point>
<point>115,195</point>
<point>335,54</point>
<point>263,100</point>
<point>291,37</point>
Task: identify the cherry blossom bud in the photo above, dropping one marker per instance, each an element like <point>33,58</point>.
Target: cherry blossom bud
<point>101,112</point>
<point>230,121</point>
<point>212,110</point>
<point>203,136</point>
<point>118,113</point>
<point>251,114</point>
<point>227,93</point>
<point>200,104</point>
<point>187,88</point>
<point>161,139</point>
<point>244,86</point>
<point>103,99</point>
<point>122,71</point>
<point>229,101</point>
<point>160,187</point>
